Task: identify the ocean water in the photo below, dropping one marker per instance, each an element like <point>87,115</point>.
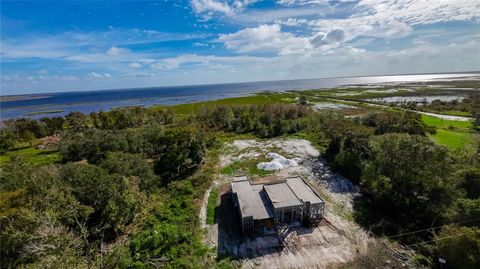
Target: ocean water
<point>90,101</point>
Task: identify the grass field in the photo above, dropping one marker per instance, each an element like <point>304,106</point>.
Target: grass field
<point>258,99</point>
<point>454,113</point>
<point>453,139</point>
<point>44,112</point>
<point>453,134</point>
<point>450,124</point>
<point>212,203</point>
<point>32,155</point>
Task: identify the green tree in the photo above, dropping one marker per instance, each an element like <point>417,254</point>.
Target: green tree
<point>7,140</point>
<point>129,165</point>
<point>28,137</point>
<point>470,182</point>
<point>459,246</point>
<point>111,197</point>
<point>406,178</point>
<point>53,124</point>
<point>302,100</point>
<point>464,210</point>
<point>17,225</point>
<point>24,125</point>
<point>397,122</point>
<point>179,152</point>
<point>76,121</point>
<point>92,145</point>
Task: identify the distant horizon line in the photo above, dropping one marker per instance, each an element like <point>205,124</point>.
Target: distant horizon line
<point>238,82</point>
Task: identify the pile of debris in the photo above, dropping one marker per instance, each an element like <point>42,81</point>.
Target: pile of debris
<point>49,142</point>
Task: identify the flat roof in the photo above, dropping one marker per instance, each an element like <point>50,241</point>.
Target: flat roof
<point>281,195</point>
<point>252,202</point>
<point>303,191</point>
<point>240,178</point>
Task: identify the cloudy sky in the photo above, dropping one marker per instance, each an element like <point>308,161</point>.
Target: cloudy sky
<point>49,46</point>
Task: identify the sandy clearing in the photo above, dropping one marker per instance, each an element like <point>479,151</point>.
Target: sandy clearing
<point>239,150</point>
<point>336,241</point>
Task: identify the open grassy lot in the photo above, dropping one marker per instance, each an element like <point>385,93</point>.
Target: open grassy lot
<point>450,124</point>
<point>258,99</point>
<point>453,139</point>
<point>32,155</point>
<point>453,134</point>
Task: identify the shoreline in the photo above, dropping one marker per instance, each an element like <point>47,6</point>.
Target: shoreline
<point>184,96</point>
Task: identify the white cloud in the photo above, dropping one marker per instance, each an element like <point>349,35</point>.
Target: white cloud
<point>95,75</point>
<point>302,2</point>
<point>415,12</point>
<point>265,38</point>
<point>115,51</point>
<point>389,19</point>
<point>98,75</point>
<point>291,22</point>
<point>394,19</point>
<point>332,37</point>
<point>204,6</point>
<point>135,65</point>
<point>271,38</point>
<point>209,7</point>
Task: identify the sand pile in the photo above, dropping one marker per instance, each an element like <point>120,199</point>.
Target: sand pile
<point>278,162</point>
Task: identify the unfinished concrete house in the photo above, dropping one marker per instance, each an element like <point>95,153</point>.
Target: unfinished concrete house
<point>265,207</point>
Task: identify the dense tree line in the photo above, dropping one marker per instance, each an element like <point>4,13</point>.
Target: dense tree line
<point>470,104</point>
<point>56,216</point>
<point>130,118</point>
<point>408,183</point>
<point>28,130</point>
<point>261,120</point>
<point>175,151</point>
<point>405,122</point>
<point>60,215</point>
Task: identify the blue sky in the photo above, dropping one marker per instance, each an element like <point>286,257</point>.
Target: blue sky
<point>50,46</point>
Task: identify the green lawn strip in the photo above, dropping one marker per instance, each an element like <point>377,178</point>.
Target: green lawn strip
<point>453,134</point>
<point>452,139</point>
<point>212,204</point>
<point>451,112</point>
<point>32,155</point>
